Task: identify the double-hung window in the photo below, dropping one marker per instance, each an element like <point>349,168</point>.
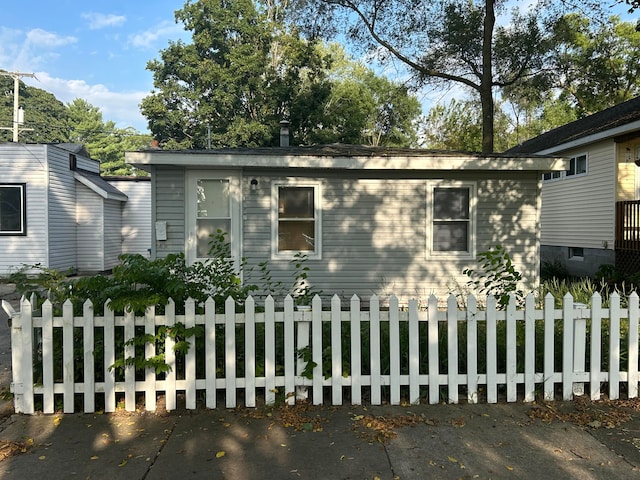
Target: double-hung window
<point>13,209</point>
<point>452,213</point>
<point>296,215</point>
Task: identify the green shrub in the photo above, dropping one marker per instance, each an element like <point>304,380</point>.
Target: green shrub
<point>496,276</point>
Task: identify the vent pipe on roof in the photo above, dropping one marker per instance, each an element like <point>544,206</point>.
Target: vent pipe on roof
<point>284,133</point>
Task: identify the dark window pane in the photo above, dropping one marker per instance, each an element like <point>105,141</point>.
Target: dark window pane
<point>295,202</point>
<point>451,203</point>
<point>296,236</point>
<point>11,209</point>
<point>451,236</point>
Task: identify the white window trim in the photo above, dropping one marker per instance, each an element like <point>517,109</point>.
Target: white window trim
<point>23,210</point>
<point>431,185</point>
<point>563,173</point>
<point>317,201</point>
<point>235,235</point>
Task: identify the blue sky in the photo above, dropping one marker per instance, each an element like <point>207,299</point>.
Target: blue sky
<point>98,50</point>
<point>94,50</point>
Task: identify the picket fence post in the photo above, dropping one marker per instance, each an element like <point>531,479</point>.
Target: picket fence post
<point>289,352</point>
<point>190,356</point>
<point>432,350</point>
<point>316,336</point>
<point>452,349</point>
<point>109,358</point>
<point>149,352</point>
<point>472,349</point>
<point>210,352</point>
<point>250,352</point>
<point>88,348</point>
<point>68,370</point>
<point>47,358</point>
<point>170,357</point>
<point>549,347</point>
<point>634,313</point>
<point>614,346</point>
<point>336,351</point>
<point>374,336</point>
<point>596,346</point>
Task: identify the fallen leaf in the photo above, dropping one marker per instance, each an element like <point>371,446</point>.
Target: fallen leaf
<point>508,467</point>
<point>42,457</point>
<point>56,421</point>
<point>94,457</point>
<point>123,463</point>
<point>220,454</point>
<point>453,460</point>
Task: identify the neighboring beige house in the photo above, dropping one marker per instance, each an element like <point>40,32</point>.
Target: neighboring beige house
<point>57,211</point>
<point>371,220</point>
<point>591,212</point>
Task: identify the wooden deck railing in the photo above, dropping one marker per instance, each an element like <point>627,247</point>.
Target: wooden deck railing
<point>628,225</point>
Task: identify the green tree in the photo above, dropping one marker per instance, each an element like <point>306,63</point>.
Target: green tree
<point>44,115</point>
<point>597,65</point>
<point>440,42</point>
<point>244,72</point>
<point>102,139</point>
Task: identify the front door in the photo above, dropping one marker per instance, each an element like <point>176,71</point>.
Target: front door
<point>213,203</point>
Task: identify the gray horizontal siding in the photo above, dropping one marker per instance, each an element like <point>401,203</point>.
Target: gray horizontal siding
<point>169,186</point>
<point>374,232</point>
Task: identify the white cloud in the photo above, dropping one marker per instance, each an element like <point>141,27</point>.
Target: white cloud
<point>101,20</point>
<point>164,30</point>
<point>42,39</point>
<point>120,107</point>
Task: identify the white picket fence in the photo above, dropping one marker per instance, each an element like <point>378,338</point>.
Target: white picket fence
<point>411,375</point>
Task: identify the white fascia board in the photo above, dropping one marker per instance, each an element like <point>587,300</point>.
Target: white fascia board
<point>417,162</point>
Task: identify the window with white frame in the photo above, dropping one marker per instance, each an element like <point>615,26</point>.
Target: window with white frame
<point>13,210</point>
<point>577,167</point>
<point>297,219</point>
<point>452,209</point>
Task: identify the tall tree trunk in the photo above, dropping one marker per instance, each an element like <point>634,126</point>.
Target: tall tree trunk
<point>486,82</point>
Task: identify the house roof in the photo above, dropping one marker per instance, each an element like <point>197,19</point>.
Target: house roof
<point>100,186</point>
<point>620,119</point>
<point>345,157</point>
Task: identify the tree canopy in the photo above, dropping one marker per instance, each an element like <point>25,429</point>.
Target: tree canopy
<point>244,72</point>
<point>48,120</point>
<point>592,66</point>
<point>440,42</point>
<point>45,117</point>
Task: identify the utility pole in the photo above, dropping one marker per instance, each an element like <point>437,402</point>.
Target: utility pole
<point>17,117</point>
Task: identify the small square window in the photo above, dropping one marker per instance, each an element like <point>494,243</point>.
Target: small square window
<point>576,253</point>
<point>13,212</point>
<point>577,166</point>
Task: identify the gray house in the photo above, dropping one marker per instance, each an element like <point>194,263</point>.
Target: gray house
<point>591,211</point>
<point>57,211</point>
<point>370,220</point>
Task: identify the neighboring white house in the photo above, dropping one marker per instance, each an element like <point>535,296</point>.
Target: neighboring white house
<point>136,213</point>
<point>591,211</point>
<point>57,211</point>
<point>370,220</point>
